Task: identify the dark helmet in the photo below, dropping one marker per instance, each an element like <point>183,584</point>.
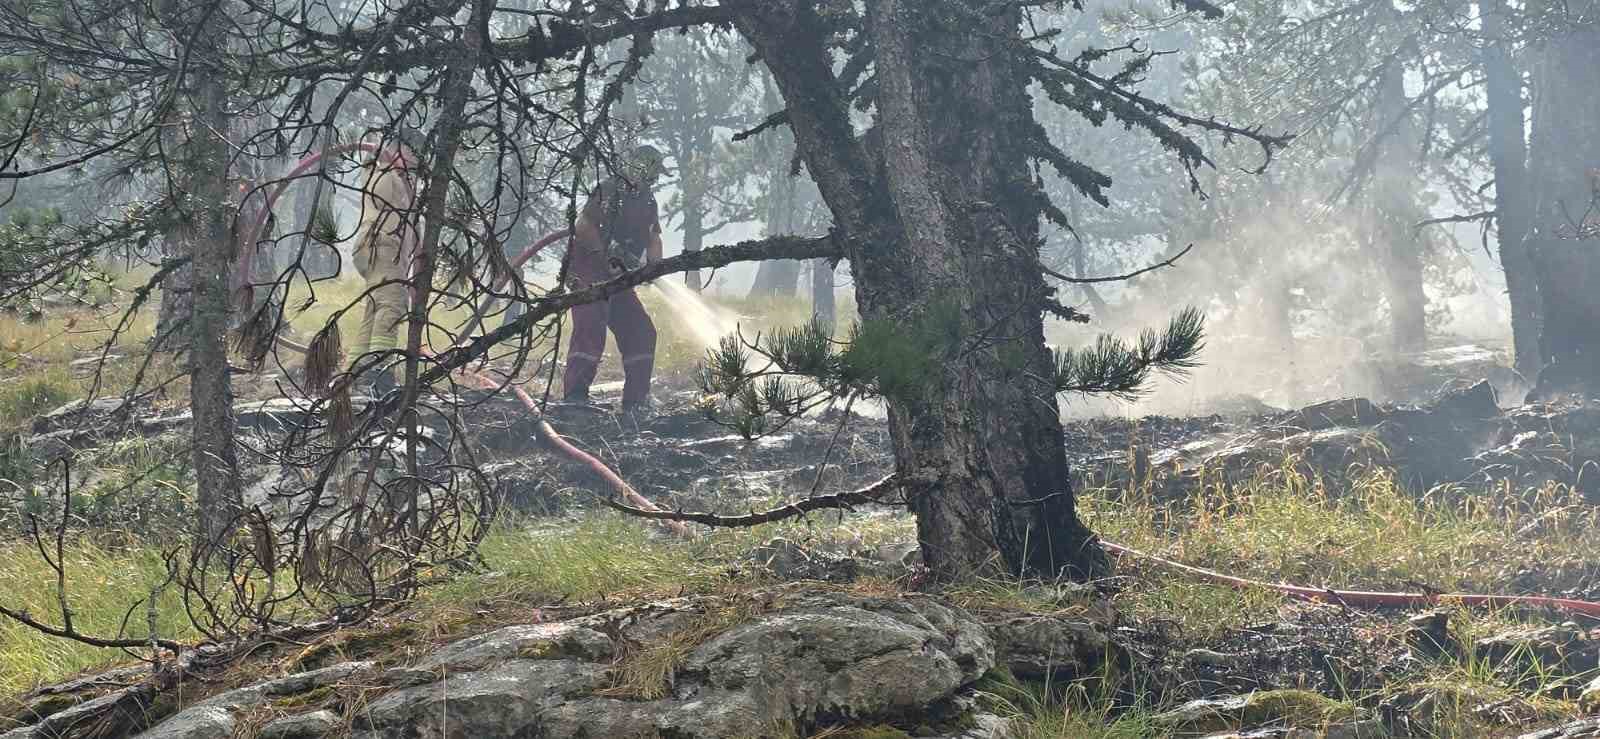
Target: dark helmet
<point>645,164</point>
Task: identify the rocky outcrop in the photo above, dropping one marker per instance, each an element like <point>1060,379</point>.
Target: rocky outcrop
<point>780,663</point>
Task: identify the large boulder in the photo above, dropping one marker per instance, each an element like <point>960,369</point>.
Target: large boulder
<point>767,665</point>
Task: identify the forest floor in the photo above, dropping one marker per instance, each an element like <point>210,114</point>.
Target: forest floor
<point>1500,672</point>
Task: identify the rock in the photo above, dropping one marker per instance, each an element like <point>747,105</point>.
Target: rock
<point>829,658</point>
<point>1429,635</point>
<point>506,701</point>
<point>529,641</point>
<point>314,725</point>
<point>114,708</point>
<point>1589,729</point>
<point>1039,647</point>
<point>1477,402</point>
<point>1558,646</point>
<point>1212,659</point>
<point>1344,412</point>
<point>200,722</point>
<point>76,411</point>
<point>89,365</point>
<point>788,560</point>
<point>1294,709</point>
<point>811,659</point>
<point>214,716</point>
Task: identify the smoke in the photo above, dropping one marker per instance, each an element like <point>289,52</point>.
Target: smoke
<point>1297,312</point>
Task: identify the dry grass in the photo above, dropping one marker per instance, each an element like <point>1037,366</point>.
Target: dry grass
<point>646,671</point>
<point>1374,535</point>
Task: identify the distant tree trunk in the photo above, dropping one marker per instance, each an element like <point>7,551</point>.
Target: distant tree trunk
<point>941,225</point>
<point>823,306</point>
<point>694,211</point>
<point>205,232</point>
<point>778,277</point>
<point>1565,169</point>
<point>1508,153</point>
<point>177,296</point>
<point>1397,241</point>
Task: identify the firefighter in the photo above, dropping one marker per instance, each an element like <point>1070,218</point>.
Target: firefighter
<point>618,230</point>
<point>385,242</point>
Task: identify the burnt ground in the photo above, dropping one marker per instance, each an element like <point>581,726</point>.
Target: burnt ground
<point>1451,433</point>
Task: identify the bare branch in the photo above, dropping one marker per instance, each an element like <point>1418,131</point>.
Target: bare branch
<point>871,494</point>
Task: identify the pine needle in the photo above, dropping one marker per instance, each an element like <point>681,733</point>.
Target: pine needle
<point>324,358</point>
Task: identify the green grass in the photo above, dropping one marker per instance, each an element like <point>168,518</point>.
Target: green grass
<point>1084,709</point>
<point>103,583</point>
<point>604,556</point>
<point>32,395</point>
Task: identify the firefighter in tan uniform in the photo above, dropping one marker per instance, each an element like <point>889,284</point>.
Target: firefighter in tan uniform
<point>386,240</point>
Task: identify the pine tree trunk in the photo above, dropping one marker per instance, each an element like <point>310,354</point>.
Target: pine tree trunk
<point>823,304</point>
<point>1508,152</point>
<point>946,236</point>
<point>1564,157</point>
<point>694,231</point>
<point>171,333</point>
<point>206,234</point>
<point>778,277</point>
<point>1397,240</point>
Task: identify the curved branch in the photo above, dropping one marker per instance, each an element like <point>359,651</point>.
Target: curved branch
<point>1117,278</point>
<point>873,493</point>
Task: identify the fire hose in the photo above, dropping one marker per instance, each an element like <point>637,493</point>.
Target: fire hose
<point>1367,598</point>
<point>1352,598</point>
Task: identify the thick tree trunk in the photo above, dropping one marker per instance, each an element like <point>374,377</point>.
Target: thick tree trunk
<point>1565,168</point>
<point>1398,243</point>
<point>944,242</point>
<point>1508,152</point>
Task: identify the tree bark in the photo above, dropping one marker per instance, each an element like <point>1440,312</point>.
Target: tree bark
<point>1508,153</point>
<point>777,278</point>
<point>1565,168</point>
<point>823,304</point>
<point>694,213</point>
<point>1398,243</point>
<point>205,212</point>
<point>177,297</point>
<point>947,233</point>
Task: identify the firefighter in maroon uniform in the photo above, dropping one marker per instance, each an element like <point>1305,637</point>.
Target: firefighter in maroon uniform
<point>618,230</point>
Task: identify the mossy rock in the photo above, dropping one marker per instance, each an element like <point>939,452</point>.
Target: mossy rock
<point>871,732</point>
<point>345,646</point>
<point>1296,708</point>
<point>313,697</point>
<point>16,713</point>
